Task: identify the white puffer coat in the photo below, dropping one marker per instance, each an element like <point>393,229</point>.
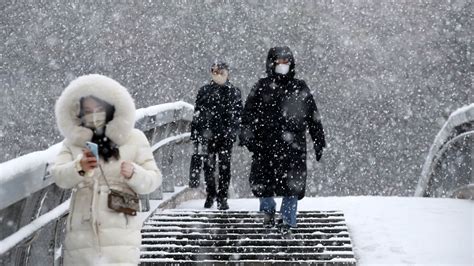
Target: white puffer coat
<point>97,235</point>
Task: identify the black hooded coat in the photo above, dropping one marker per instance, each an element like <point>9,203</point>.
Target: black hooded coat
<point>277,113</point>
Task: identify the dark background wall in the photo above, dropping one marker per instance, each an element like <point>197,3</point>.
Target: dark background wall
<point>385,74</point>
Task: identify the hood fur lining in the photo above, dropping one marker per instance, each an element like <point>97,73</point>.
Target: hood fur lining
<point>102,87</point>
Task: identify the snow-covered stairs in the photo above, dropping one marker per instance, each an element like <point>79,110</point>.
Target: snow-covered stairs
<point>175,237</point>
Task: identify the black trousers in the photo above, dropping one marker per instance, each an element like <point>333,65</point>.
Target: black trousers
<point>223,158</point>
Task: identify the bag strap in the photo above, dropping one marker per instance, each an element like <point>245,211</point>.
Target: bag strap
<point>107,182</point>
<point>102,173</point>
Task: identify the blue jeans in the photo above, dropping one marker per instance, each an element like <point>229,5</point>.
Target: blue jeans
<point>288,208</point>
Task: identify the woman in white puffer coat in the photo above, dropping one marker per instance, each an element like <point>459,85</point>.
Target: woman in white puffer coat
<point>98,109</point>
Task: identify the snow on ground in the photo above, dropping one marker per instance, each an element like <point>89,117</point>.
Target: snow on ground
<point>395,230</point>
<point>155,203</point>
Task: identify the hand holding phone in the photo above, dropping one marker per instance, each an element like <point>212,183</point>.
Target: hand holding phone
<point>90,157</point>
<point>93,148</point>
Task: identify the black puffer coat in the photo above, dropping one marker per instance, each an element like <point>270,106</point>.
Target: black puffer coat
<point>216,119</point>
<point>277,113</point>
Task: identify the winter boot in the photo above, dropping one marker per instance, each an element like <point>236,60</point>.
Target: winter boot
<point>209,201</point>
<point>269,220</point>
<point>285,230</point>
<point>222,204</point>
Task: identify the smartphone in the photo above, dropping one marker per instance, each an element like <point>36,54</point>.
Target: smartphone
<point>93,148</point>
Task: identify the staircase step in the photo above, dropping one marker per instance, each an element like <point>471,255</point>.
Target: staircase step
<point>247,256</point>
<point>241,230</point>
<point>333,262</point>
<point>227,223</point>
<point>238,237</point>
<point>240,214</point>
<point>228,237</point>
<point>246,249</point>
<point>240,242</point>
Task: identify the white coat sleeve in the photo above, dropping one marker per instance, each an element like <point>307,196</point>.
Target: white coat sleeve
<point>64,170</point>
<point>147,177</point>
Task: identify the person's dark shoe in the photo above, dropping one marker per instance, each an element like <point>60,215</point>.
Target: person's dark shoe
<point>222,204</point>
<point>209,202</point>
<point>285,230</point>
<point>269,220</point>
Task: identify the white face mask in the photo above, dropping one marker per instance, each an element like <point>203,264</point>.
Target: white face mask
<point>94,120</point>
<point>220,79</point>
<point>282,69</point>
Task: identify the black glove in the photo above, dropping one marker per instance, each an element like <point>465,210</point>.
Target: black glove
<point>245,142</point>
<point>252,147</point>
<point>319,153</point>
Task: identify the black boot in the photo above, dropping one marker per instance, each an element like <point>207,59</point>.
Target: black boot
<point>209,201</point>
<point>285,230</point>
<point>222,204</point>
<point>269,220</point>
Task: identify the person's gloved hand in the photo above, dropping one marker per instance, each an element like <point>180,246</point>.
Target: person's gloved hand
<point>252,147</point>
<point>245,142</point>
<point>319,152</point>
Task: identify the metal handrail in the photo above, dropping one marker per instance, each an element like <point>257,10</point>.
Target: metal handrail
<point>26,175</point>
<point>28,230</point>
<point>440,155</point>
<point>441,143</point>
<point>446,146</point>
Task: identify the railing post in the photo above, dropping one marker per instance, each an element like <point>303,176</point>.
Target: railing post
<point>167,162</point>
<point>157,194</point>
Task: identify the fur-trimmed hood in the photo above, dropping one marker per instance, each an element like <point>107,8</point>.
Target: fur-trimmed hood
<point>102,87</point>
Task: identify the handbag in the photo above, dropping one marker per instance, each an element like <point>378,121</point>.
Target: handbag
<point>120,201</point>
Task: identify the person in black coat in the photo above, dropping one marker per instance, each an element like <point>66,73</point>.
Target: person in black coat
<point>278,112</point>
<point>215,127</point>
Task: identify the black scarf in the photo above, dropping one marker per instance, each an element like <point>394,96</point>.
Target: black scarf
<point>107,148</point>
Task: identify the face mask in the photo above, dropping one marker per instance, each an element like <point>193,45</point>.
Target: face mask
<point>282,69</point>
<point>220,79</point>
<point>94,120</point>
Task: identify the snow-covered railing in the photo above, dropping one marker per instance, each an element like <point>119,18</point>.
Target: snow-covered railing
<point>29,200</point>
<point>23,176</point>
<point>165,126</point>
<point>459,126</point>
<point>26,231</point>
